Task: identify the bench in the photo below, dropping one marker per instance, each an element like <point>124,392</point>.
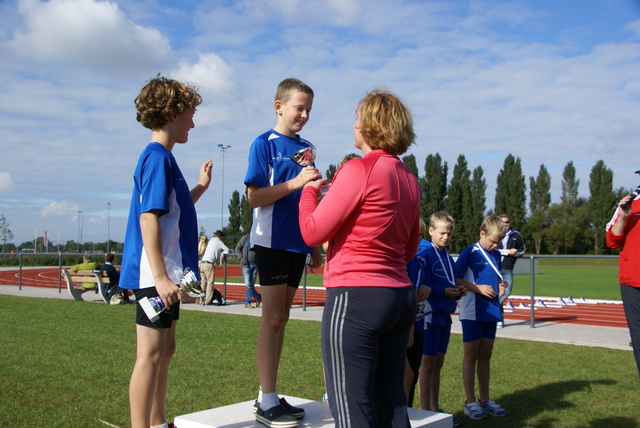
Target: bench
<point>76,281</point>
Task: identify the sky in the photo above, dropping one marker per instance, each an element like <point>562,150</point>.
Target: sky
<point>544,80</point>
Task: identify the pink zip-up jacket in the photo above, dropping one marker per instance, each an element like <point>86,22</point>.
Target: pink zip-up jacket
<point>370,216</point>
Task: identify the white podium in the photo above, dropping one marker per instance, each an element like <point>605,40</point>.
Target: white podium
<point>317,415</point>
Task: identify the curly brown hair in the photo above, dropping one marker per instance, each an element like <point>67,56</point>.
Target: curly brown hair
<point>162,97</point>
<point>385,122</point>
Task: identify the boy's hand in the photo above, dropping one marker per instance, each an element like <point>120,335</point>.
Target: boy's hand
<point>169,292</point>
<point>502,288</point>
<point>423,293</point>
<point>204,179</point>
<point>316,258</point>
<point>453,292</point>
<point>307,174</point>
<point>486,290</point>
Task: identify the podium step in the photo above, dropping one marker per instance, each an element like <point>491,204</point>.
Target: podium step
<point>318,415</point>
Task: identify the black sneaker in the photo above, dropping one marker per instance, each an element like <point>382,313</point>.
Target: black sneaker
<point>296,412</point>
<point>276,417</point>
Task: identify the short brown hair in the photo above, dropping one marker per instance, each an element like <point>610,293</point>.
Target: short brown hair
<point>493,225</point>
<point>162,97</point>
<point>385,122</point>
<point>290,86</point>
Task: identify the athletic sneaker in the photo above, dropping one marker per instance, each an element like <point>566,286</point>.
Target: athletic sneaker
<point>492,408</point>
<point>276,417</point>
<point>456,421</point>
<point>474,411</point>
<point>296,412</point>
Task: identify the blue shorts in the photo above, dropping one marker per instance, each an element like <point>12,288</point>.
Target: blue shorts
<point>436,339</point>
<point>476,330</point>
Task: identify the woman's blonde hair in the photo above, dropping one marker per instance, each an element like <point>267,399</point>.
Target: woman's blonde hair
<point>385,122</point>
<point>202,244</point>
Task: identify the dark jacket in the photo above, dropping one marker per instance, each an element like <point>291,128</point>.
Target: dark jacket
<point>514,241</point>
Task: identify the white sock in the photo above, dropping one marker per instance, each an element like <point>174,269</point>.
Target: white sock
<point>164,425</point>
<point>260,395</point>
<point>269,400</point>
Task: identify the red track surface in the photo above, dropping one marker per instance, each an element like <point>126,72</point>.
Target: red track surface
<point>602,314</point>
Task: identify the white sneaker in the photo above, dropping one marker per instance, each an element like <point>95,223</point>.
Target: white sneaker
<point>500,324</point>
<point>492,408</point>
<point>474,411</point>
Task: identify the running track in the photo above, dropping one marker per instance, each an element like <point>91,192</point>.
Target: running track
<point>592,313</point>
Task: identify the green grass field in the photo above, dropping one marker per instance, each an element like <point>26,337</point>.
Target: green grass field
<point>67,364</point>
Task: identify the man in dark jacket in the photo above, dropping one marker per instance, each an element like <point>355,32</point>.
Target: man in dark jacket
<point>511,247</point>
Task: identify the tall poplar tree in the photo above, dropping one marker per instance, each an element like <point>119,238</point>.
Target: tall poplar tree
<point>569,184</point>
<point>601,203</point>
<point>539,201</point>
<point>478,198</point>
<point>567,219</point>
<point>246,214</point>
<point>235,218</point>
<point>410,162</point>
<point>458,204</point>
<point>511,191</point>
<point>434,185</point>
<point>331,171</point>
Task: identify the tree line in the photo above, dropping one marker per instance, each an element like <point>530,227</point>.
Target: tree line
<point>575,225</point>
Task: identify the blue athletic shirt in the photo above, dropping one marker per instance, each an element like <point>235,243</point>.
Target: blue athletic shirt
<point>473,266</point>
<point>417,271</point>
<point>440,274</point>
<point>160,185</point>
<point>276,225</point>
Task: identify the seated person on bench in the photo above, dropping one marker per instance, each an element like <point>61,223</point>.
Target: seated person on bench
<point>87,264</point>
<point>111,289</point>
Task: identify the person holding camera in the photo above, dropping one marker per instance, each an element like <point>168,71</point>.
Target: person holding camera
<point>623,231</point>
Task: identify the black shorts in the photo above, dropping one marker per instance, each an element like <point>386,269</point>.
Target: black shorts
<point>279,266</point>
<point>166,317</point>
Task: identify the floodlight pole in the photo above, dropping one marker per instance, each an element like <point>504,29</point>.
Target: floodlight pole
<point>224,148</point>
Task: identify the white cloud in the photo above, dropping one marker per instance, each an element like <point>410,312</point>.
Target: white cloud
<point>87,32</point>
<point>214,79</point>
<point>58,208</point>
<point>6,182</point>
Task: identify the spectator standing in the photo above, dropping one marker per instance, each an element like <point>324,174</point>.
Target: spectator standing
<point>216,251</point>
<point>623,231</point>
<point>249,271</point>
<point>511,248</point>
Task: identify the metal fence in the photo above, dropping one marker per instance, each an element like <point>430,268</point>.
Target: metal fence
<point>21,260</point>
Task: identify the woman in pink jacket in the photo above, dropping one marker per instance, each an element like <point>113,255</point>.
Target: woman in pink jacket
<point>370,217</point>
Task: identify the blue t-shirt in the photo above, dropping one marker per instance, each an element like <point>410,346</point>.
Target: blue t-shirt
<point>476,265</point>
<point>159,185</point>
<point>276,225</point>
<point>416,269</point>
<point>439,275</point>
